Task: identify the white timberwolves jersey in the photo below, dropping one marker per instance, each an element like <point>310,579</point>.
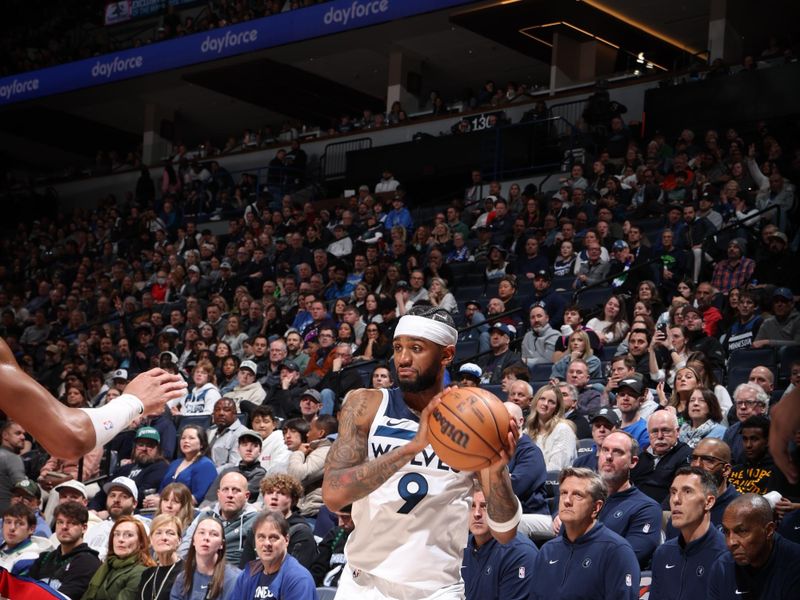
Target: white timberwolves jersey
<point>413,529</point>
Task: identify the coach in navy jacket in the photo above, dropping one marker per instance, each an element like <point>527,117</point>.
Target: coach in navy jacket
<point>588,560</point>
<point>492,570</point>
<point>761,563</point>
<point>682,565</point>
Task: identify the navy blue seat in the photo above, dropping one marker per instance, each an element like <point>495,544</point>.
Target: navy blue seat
<point>203,421</point>
<point>541,371</point>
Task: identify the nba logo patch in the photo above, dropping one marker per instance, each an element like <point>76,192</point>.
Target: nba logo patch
<point>356,573</point>
<point>108,425</point>
<point>628,580</point>
<point>521,573</point>
<point>646,528</point>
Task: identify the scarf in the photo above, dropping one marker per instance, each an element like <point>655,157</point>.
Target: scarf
<point>691,436</point>
<point>101,575</point>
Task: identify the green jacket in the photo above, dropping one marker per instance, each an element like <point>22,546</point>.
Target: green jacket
<point>116,579</point>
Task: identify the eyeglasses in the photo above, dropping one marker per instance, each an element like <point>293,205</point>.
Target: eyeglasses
<point>749,403</point>
<point>705,459</point>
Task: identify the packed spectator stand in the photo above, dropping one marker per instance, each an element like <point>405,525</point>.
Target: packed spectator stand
<point>653,279</point>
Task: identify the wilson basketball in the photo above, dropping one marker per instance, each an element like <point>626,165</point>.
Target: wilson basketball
<point>469,428</point>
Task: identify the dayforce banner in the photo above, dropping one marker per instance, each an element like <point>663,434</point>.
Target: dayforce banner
<point>259,34</point>
<point>120,11</point>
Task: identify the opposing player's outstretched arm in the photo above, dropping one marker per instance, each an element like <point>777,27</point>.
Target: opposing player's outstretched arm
<point>785,420</point>
<point>69,432</point>
<point>349,476</point>
<point>502,505</point>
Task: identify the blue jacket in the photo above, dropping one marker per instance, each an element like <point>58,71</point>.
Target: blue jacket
<point>587,460</point>
<point>790,526</point>
<point>598,565</point>
<point>639,431</point>
<point>636,517</point>
<point>291,582</point>
<point>198,476</point>
<point>501,571</point>
<point>683,570</point>
<point>528,474</point>
<point>717,511</point>
<point>778,579</point>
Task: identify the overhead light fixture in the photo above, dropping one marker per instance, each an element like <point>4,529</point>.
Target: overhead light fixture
<point>640,58</point>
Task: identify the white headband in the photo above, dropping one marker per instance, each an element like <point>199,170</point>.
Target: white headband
<point>427,329</point>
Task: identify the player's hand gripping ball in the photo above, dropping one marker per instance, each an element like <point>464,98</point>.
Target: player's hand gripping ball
<point>469,428</point>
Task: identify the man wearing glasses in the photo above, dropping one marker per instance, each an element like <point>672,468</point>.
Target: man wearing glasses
<point>783,328</point>
<point>750,400</point>
<point>657,465</point>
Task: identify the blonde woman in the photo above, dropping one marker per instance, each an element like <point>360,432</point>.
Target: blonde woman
<point>165,535</point>
<point>686,381</point>
<point>547,427</point>
<point>440,296</point>
<point>579,348</point>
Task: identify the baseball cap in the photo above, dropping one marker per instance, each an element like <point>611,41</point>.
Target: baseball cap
<point>27,486</point>
<point>470,369</point>
<point>632,383</point>
<point>609,414</point>
<point>312,393</point>
<point>739,243</point>
<point>52,349</point>
<point>509,330</point>
<point>619,245</point>
<point>120,374</point>
<point>783,292</point>
<point>126,483</point>
<point>148,433</point>
<point>249,433</point>
<point>249,365</point>
<point>194,268</point>
<point>474,303</point>
<point>225,265</point>
<point>72,484</point>
<point>289,364</point>
<point>780,235</point>
<point>170,330</point>
<point>167,355</point>
<point>401,285</point>
<point>543,274</point>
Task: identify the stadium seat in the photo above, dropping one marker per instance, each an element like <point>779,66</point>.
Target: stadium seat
<point>497,390</point>
<point>607,353</point>
<point>593,298</point>
<point>242,418</point>
<point>585,446</point>
<point>562,283</point>
<point>776,396</point>
<point>326,593</point>
<point>551,483</point>
<point>737,375</point>
<point>471,292</point>
<point>752,358</point>
<point>203,421</point>
<point>465,350</point>
<point>541,371</point>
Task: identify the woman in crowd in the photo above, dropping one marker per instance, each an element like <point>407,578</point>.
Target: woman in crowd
<point>387,286</point>
<point>228,375</point>
<point>206,575</point>
<point>549,430</point>
<point>346,334</point>
<point>194,469</point>
<point>613,327</point>
<point>686,380</point>
<point>648,292</point>
<point>337,310</point>
<point>440,296</point>
<point>371,312</point>
<point>165,535</point>
<point>460,252</point>
<point>275,569</point>
<point>705,374</point>
<point>530,214</point>
<point>674,340</point>
<point>75,395</point>
<point>579,347</point>
<point>374,345</point>
<point>176,500</point>
<point>686,289</point>
<point>703,418</point>
<point>360,293</point>
<point>497,266</point>
<point>221,350</point>
<point>273,320</point>
<point>381,377</point>
<point>128,557</point>
<point>234,336</point>
<point>204,394</point>
<point>564,264</point>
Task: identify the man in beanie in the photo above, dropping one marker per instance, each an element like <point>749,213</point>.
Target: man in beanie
<point>736,270</point>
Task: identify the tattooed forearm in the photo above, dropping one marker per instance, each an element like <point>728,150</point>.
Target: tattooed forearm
<point>358,481</point>
<point>501,503</point>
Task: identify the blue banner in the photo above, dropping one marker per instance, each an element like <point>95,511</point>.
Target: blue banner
<point>258,34</point>
<point>121,11</point>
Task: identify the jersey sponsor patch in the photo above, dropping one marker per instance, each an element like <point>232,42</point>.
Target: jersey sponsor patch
<point>646,528</point>
<point>628,580</point>
<point>521,573</point>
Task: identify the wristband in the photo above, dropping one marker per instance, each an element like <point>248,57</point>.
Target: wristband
<point>108,420</point>
<point>508,525</point>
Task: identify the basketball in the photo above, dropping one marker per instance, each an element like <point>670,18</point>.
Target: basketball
<point>469,428</point>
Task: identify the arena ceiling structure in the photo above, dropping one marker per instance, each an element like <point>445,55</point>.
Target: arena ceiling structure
<point>459,45</point>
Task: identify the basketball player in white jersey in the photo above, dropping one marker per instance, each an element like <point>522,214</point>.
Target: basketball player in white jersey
<point>410,510</point>
<point>72,432</point>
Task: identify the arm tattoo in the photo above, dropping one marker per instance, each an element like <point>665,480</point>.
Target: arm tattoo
<point>347,467</point>
<point>501,503</point>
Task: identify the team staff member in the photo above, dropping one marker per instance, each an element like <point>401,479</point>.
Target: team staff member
<point>492,570</point>
<point>762,563</point>
<point>70,433</point>
<point>587,560</point>
<point>682,565</point>
<point>386,490</point>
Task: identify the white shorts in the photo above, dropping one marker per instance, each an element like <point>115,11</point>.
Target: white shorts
<point>368,587</point>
